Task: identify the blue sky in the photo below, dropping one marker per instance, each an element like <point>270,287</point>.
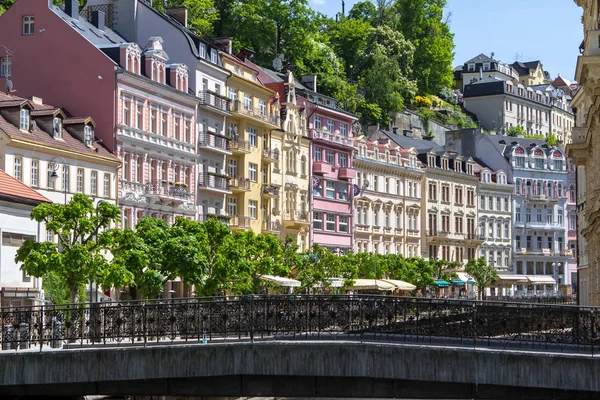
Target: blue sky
<point>546,30</point>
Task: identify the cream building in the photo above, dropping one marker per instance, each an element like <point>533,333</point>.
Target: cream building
<point>387,212</point>
<point>581,151</point>
<point>253,201</point>
<point>451,216</point>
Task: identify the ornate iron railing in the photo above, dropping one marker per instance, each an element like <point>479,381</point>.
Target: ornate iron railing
<point>473,323</point>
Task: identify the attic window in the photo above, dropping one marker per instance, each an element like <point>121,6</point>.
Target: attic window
<point>213,56</point>
<point>486,66</point>
<point>471,67</point>
<point>202,50</point>
<point>444,163</point>
<point>88,135</point>
<point>470,169</point>
<point>57,128</point>
<point>24,119</point>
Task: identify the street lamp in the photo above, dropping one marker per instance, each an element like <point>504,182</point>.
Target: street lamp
<point>54,166</point>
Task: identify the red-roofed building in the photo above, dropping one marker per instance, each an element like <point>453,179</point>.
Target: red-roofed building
<point>16,202</point>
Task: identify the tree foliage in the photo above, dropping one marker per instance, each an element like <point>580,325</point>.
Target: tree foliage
<point>202,14</point>
<point>483,273</point>
<point>516,130</point>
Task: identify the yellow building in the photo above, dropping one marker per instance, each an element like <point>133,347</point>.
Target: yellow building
<point>254,195</point>
<point>531,73</point>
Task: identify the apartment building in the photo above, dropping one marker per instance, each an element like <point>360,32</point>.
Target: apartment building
<point>387,204</point>
<point>254,197</point>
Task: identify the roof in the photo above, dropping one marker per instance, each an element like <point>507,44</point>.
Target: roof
<point>524,67</point>
<point>90,32</point>
<point>481,58</point>
<point>406,142</point>
<point>37,135</point>
<point>16,191</point>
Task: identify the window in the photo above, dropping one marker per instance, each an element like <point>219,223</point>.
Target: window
<point>106,187</point>
<point>330,157</point>
<point>343,191</point>
<point>232,206</point>
<point>330,125</point>
<point>458,224</point>
<point>213,56</point>
<point>330,190</point>
<point>153,119</point>
<point>57,128</point>
<point>343,130</point>
<point>317,122</point>
<point>375,217</point>
<point>139,116</point>
<point>28,25</point>
<point>528,214</point>
<point>34,173</point>
<point>572,224</point>
<point>24,119</point>
<point>506,204</point>
<point>499,229</point>
<point>318,154</point>
<point>5,66</point>
<point>317,220</point>
<point>177,127</point>
<point>65,174</point>
<point>330,225</point>
<point>202,50</point>
<point>88,135</point>
<point>15,239</point>
<point>506,231</point>
<point>539,163</point>
<point>558,165</point>
<point>94,183</point>
<point>343,223</point>
<point>247,102</point>
<point>490,230</point>
<point>252,136</point>
<point>262,107</point>
<point>252,208</point>
<point>18,169</point>
<point>126,112</point>
<point>80,188</point>
<point>482,202</point>
<point>252,170</point>
<point>164,123</point>
<point>560,217</point>
<point>303,166</point>
<point>520,162</point>
<point>343,160</point>
<point>498,204</point>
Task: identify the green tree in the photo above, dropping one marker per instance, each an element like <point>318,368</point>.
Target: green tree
<point>417,271</point>
<point>5,5</point>
<point>84,237</point>
<point>516,130</point>
<point>349,40</point>
<point>552,139</point>
<point>202,14</point>
<point>364,11</point>
<point>215,240</point>
<point>318,267</point>
<point>483,273</point>
<point>421,22</point>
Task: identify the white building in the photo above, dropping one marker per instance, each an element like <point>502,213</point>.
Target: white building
<point>55,155</point>
<point>387,212</point>
<point>16,202</point>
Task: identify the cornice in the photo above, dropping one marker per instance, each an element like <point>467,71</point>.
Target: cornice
<point>66,153</point>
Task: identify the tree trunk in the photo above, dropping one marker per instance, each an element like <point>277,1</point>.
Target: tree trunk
<point>74,291</point>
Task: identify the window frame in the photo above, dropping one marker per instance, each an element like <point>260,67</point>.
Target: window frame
<point>28,25</point>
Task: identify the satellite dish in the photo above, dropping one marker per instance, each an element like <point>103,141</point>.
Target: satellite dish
<point>9,86</point>
<point>277,64</point>
<point>492,55</point>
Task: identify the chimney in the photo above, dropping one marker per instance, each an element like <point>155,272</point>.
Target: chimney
<point>178,13</point>
<point>72,8</point>
<point>36,100</point>
<point>395,130</point>
<point>224,44</point>
<point>98,19</point>
<point>480,73</point>
<point>310,81</point>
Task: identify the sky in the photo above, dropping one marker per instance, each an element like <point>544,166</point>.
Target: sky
<point>545,30</point>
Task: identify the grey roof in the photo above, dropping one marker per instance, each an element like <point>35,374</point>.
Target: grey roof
<point>99,38</point>
<point>481,58</point>
<point>524,67</point>
<point>406,142</point>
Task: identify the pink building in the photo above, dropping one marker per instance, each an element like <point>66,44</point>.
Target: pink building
<point>332,172</point>
<point>140,103</point>
<point>572,221</point>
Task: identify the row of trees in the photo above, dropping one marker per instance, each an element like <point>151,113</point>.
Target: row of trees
<point>207,255</point>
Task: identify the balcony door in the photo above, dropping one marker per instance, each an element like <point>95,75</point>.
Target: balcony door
<point>232,206</point>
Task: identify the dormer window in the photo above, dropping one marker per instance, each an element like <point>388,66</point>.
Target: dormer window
<point>458,166</point>
<point>471,67</point>
<point>486,66</point>
<point>24,119</point>
<point>202,50</point>
<point>470,169</point>
<point>88,135</point>
<point>57,128</point>
<point>213,56</point>
<point>431,161</point>
<point>444,163</point>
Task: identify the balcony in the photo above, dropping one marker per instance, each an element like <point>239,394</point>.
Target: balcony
<point>540,198</point>
<point>270,155</point>
<point>347,173</point>
<point>166,192</point>
<point>474,238</point>
<point>239,146</point>
<point>270,191</point>
<point>213,141</point>
<point>212,181</point>
<point>257,114</point>
<point>334,138</point>
<point>434,235</point>
<point>520,253</point>
<point>540,225</point>
<point>271,226</point>
<point>295,217</point>
<point>321,168</point>
<point>240,222</point>
<point>239,184</point>
<point>220,217</point>
<point>214,101</point>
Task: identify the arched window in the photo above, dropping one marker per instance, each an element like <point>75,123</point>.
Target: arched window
<point>572,194</point>
<point>528,188</point>
<point>538,188</point>
<point>518,186</point>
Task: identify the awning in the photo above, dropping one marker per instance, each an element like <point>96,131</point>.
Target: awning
<point>510,279</point>
<point>463,276</point>
<point>541,279</point>
<point>458,282</point>
<point>441,283</point>
<point>280,280</point>
<point>401,285</point>
<point>372,284</point>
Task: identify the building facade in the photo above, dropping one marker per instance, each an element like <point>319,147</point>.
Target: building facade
<point>253,196</point>
<point>388,206</point>
<point>333,172</point>
<point>495,218</point>
<point>16,226</point>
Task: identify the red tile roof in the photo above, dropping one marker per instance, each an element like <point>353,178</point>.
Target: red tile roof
<point>37,135</point>
<point>18,192</point>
